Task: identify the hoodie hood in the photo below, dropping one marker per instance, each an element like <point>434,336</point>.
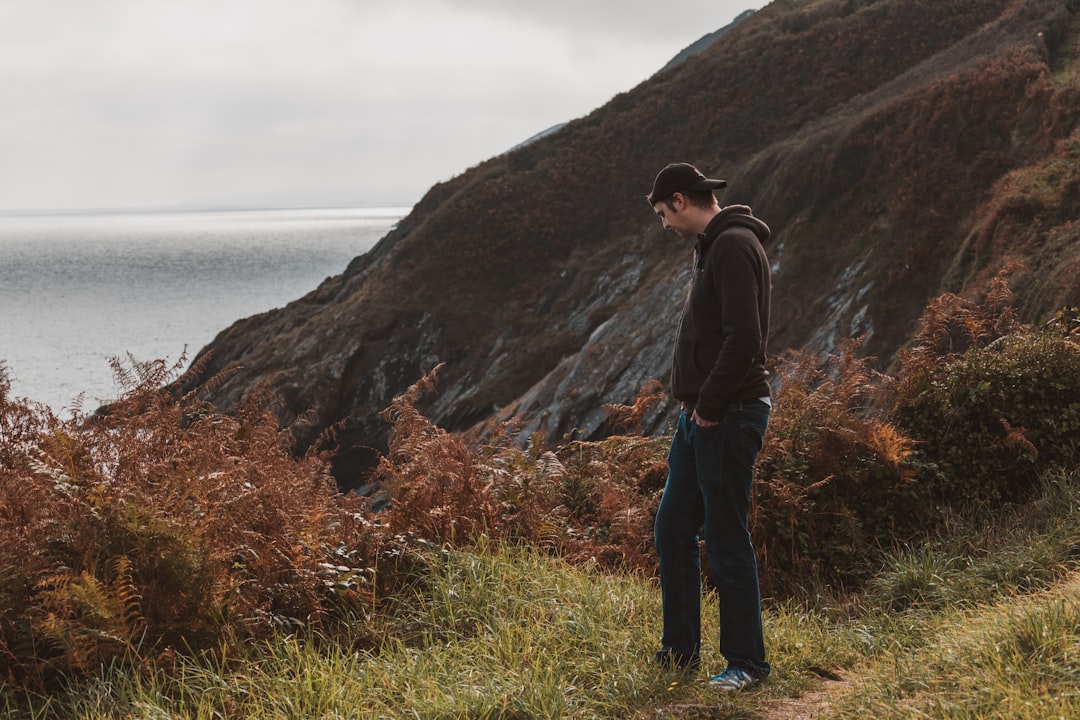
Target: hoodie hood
<point>737,216</point>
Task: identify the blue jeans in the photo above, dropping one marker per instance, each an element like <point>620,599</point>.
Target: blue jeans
<point>710,472</point>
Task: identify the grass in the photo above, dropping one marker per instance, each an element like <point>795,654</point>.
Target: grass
<point>984,622</point>
<point>1016,658</point>
<point>989,632</point>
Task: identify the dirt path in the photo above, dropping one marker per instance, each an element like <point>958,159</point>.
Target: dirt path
<point>811,705</point>
<point>808,706</point>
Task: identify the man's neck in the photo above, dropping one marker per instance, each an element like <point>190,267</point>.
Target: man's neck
<point>707,215</point>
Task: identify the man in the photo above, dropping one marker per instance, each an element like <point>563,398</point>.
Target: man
<point>718,373</point>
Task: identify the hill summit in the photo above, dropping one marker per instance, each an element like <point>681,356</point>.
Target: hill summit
<point>898,149</point>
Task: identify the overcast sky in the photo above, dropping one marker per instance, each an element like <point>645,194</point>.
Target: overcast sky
<point>263,103</point>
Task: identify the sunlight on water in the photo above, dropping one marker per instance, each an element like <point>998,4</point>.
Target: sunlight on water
<point>77,289</point>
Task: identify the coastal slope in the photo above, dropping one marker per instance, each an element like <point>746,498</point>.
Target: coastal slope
<point>898,149</point>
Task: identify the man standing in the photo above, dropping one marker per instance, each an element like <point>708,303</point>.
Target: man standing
<point>718,374</point>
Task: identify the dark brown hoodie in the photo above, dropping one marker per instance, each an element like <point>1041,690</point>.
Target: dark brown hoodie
<point>721,344</point>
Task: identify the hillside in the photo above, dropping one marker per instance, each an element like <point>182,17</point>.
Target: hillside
<point>897,148</point>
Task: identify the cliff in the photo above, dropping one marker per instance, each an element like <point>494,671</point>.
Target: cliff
<point>897,148</point>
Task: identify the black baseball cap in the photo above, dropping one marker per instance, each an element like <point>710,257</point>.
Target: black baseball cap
<point>680,177</point>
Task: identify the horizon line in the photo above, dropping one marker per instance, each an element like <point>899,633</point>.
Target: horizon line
<point>223,207</point>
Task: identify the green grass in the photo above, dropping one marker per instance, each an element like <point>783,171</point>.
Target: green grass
<point>981,623</point>
<point>1016,658</point>
<point>984,623</point>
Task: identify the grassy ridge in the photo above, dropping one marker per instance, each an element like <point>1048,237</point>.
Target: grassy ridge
<point>916,534</point>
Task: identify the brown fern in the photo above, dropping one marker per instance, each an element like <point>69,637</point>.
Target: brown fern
<point>163,523</point>
<point>1016,439</point>
<point>628,419</point>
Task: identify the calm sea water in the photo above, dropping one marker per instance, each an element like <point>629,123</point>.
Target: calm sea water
<point>77,289</point>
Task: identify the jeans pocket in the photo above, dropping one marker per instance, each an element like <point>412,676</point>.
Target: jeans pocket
<point>706,434</point>
<point>751,430</point>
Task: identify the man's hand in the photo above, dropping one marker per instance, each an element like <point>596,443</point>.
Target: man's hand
<point>700,422</point>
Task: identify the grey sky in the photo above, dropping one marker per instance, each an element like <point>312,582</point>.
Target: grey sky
<point>162,103</point>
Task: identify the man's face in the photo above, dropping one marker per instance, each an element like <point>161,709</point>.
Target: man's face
<point>674,216</point>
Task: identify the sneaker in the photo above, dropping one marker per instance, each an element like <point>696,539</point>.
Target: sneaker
<point>733,679</point>
<point>668,659</point>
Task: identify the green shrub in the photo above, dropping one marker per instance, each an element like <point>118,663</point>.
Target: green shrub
<point>855,461</point>
<point>993,417</point>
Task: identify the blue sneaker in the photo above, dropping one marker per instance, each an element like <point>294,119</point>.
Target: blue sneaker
<point>733,679</point>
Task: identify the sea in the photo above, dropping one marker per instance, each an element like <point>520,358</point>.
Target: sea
<point>79,288</point>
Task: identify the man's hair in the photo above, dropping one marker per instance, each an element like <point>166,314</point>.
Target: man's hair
<point>695,198</point>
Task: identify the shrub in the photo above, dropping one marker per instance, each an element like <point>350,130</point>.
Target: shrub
<point>608,496</point>
<point>989,401</point>
<point>161,525</point>
<point>446,489</point>
<point>833,475</point>
<point>856,461</point>
<point>585,501</point>
<point>993,417</point>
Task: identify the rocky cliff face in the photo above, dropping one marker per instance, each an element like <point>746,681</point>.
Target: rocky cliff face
<point>897,148</point>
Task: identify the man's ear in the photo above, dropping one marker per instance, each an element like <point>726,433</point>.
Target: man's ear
<point>678,201</point>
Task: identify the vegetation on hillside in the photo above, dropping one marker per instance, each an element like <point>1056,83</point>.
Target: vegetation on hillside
<point>164,538</point>
<point>982,623</point>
